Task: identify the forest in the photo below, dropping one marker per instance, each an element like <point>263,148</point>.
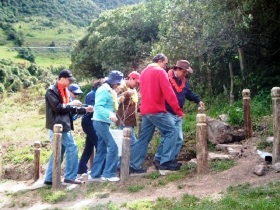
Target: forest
<point>231,44</point>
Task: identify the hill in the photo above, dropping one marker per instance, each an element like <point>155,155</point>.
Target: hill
<point>78,13</point>
<point>46,31</point>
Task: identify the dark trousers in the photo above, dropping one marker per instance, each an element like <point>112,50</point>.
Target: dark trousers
<point>90,144</point>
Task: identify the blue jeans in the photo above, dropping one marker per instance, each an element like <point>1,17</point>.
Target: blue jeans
<point>71,151</point>
<point>178,137</point>
<point>90,143</point>
<point>106,158</point>
<point>149,122</point>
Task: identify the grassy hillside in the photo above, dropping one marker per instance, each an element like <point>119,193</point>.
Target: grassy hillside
<point>38,35</point>
<point>44,24</point>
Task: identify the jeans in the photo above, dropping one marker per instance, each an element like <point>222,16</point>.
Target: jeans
<point>90,144</point>
<point>71,151</point>
<point>106,158</point>
<point>149,122</point>
<point>178,137</point>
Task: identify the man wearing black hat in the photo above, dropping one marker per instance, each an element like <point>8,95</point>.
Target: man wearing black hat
<point>58,111</point>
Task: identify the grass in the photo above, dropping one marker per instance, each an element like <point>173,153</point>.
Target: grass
<point>39,33</point>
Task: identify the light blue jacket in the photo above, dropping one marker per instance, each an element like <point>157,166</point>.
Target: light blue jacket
<point>104,105</point>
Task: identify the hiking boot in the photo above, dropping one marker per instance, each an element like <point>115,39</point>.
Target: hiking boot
<point>156,163</point>
<point>169,166</point>
<point>135,172</point>
<point>176,162</point>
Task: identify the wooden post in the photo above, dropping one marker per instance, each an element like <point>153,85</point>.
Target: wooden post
<point>247,113</point>
<point>201,139</point>
<point>56,170</point>
<point>125,159</point>
<point>0,162</point>
<point>275,93</point>
<point>37,151</point>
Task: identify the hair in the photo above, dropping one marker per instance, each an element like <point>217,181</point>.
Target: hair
<point>159,57</point>
<point>97,83</point>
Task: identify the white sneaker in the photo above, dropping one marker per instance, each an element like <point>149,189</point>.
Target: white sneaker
<point>91,179</point>
<point>81,177</point>
<point>111,179</point>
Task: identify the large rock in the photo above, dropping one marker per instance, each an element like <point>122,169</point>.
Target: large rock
<point>222,133</point>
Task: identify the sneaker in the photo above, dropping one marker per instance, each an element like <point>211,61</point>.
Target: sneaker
<point>156,163</point>
<point>47,182</point>
<point>81,176</point>
<point>135,172</point>
<point>92,179</point>
<point>111,179</point>
<point>72,181</point>
<point>169,166</point>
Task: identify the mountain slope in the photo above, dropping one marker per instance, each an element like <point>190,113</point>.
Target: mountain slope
<point>79,13</point>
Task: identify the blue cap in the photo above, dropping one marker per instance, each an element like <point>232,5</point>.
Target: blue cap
<point>115,77</point>
<point>74,88</point>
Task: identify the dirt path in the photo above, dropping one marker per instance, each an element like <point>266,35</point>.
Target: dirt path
<point>209,185</point>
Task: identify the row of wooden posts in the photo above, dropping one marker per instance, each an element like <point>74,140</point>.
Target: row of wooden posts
<point>201,138</point>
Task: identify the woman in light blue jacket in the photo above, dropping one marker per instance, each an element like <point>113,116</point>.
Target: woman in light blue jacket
<point>104,166</point>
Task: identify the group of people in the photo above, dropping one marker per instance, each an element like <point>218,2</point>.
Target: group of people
<point>115,100</point>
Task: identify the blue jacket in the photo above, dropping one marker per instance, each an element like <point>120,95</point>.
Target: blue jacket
<point>89,100</point>
<point>182,96</point>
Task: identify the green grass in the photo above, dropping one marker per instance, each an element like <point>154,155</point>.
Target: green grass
<point>39,32</point>
<point>221,165</point>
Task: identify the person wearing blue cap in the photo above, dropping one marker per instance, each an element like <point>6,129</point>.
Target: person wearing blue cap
<point>104,167</point>
<point>75,91</point>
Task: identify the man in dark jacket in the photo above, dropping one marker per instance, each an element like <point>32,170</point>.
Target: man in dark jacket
<point>59,110</point>
<point>180,85</point>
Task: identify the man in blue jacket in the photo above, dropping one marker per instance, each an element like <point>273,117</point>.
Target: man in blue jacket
<point>177,78</point>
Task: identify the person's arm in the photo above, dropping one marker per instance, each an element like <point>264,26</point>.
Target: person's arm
<point>191,96</point>
<point>169,94</point>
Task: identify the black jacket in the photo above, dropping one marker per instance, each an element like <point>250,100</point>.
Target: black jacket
<point>59,113</point>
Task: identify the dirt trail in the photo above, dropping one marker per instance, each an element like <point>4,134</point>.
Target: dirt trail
<point>209,185</point>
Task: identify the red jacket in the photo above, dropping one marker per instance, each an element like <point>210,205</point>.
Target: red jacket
<point>155,89</point>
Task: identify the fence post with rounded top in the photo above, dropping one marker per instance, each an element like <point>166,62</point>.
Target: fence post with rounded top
<point>37,151</point>
<point>201,139</point>
<point>247,113</point>
<point>56,170</point>
<point>275,93</point>
<point>125,159</point>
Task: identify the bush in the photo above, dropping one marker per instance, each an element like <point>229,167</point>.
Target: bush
<point>3,75</point>
<point>2,88</point>
<point>16,85</point>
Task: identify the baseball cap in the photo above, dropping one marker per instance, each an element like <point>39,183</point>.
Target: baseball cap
<point>134,75</point>
<point>74,88</point>
<point>66,73</point>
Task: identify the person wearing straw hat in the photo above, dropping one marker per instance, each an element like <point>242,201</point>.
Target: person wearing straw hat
<point>177,78</point>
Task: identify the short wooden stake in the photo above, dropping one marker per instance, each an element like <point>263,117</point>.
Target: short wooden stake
<point>37,152</point>
<point>275,93</point>
<point>201,139</point>
<point>56,170</point>
<point>125,159</point>
<point>247,113</point>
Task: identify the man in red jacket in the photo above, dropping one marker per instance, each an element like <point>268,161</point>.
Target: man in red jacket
<point>155,90</point>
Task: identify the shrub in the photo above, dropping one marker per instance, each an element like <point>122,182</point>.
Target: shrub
<point>2,88</point>
<point>16,85</point>
<point>3,75</point>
